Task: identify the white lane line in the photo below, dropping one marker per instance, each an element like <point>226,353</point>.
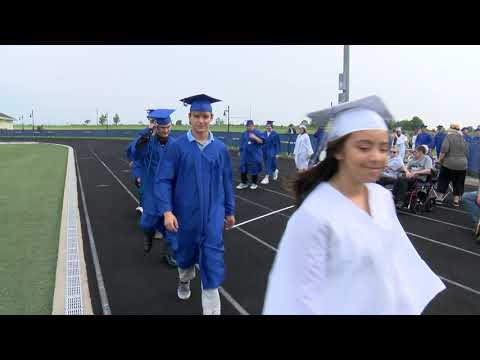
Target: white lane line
<point>115,177</point>
<point>257,239</point>
<point>96,263</point>
<point>444,244</point>
<point>272,191</point>
<point>459,285</point>
<point>435,220</point>
<point>229,298</point>
<point>224,292</point>
<point>263,216</point>
<point>263,206</point>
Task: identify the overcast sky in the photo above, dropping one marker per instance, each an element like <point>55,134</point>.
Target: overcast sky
<point>66,84</point>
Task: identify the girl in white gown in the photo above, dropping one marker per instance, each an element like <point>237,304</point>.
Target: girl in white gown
<point>303,149</point>
<point>344,250</point>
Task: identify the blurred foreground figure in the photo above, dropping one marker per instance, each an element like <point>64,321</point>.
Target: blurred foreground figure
<point>344,250</point>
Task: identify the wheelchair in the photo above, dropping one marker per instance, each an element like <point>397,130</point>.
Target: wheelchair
<point>421,198</point>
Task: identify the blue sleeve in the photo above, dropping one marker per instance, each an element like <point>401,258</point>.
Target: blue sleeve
<point>228,185</point>
<point>164,180</point>
<point>242,142</point>
<point>278,145</point>
<point>260,135</point>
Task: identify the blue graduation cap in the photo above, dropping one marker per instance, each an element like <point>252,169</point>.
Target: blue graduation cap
<point>161,116</point>
<point>200,102</point>
<point>270,122</point>
<point>249,122</point>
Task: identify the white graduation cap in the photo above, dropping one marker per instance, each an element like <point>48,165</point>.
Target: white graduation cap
<point>368,113</point>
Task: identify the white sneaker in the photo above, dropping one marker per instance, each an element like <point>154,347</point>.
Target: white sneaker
<point>242,186</point>
<point>183,290</point>
<point>139,210</point>
<point>158,235</point>
<point>265,180</point>
<point>275,174</point>
<point>253,186</point>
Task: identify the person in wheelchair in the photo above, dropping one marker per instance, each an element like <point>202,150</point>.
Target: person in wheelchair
<point>393,168</point>
<point>417,169</point>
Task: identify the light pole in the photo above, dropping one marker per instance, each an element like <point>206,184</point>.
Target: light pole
<point>227,111</point>
<point>344,78</point>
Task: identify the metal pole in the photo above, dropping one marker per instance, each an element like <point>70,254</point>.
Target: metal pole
<point>107,122</point>
<point>97,117</point>
<point>33,124</point>
<point>228,119</point>
<point>346,72</point>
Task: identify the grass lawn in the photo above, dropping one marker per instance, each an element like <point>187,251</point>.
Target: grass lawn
<point>31,195</point>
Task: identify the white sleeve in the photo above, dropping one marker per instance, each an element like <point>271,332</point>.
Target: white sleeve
<point>299,272</point>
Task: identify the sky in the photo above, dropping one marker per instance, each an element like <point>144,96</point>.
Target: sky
<point>67,84</point>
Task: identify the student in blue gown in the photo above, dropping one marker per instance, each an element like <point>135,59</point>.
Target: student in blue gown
<point>271,149</point>
<point>195,193</point>
<point>438,139</point>
<point>136,166</point>
<point>150,149</point>
<point>424,138</point>
<point>250,155</point>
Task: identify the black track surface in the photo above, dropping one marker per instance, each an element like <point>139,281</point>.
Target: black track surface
<point>142,284</point>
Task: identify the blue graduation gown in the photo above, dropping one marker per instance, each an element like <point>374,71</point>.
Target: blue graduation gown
<point>271,148</point>
<point>197,187</point>
<point>251,153</point>
<point>151,157</point>
<point>438,140</point>
<point>424,139</point>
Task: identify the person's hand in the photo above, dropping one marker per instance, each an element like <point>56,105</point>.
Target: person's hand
<point>409,175</point>
<point>229,222</point>
<point>478,198</point>
<point>138,182</point>
<point>170,221</point>
<point>130,164</point>
<point>251,135</point>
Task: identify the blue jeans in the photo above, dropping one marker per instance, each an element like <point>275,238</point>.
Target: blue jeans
<point>470,200</point>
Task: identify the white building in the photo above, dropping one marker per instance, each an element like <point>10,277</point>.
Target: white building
<point>6,122</point>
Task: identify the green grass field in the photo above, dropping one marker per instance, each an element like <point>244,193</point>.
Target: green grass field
<point>31,196</point>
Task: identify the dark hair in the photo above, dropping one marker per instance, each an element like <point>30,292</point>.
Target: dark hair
<point>323,171</point>
<point>421,148</point>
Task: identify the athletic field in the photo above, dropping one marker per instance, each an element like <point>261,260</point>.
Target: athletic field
<point>31,194</point>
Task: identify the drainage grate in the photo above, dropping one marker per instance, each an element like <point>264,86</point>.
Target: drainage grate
<point>73,289</point>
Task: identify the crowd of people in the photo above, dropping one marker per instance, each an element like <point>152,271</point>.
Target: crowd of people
<point>187,198</point>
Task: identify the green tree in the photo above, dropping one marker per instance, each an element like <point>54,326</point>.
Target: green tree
<point>102,119</point>
<point>116,119</point>
<point>87,122</point>
<point>178,122</point>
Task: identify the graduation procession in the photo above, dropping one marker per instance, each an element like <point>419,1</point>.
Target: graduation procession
<point>186,190</point>
<point>287,204</point>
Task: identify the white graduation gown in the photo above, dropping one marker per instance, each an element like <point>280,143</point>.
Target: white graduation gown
<point>335,259</point>
<point>303,149</point>
<point>401,144</point>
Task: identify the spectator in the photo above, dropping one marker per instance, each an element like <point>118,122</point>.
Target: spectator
<point>414,138</point>
<point>291,136</point>
<point>466,137</point>
<point>472,203</point>
<point>401,143</point>
<point>453,161</point>
<point>417,169</point>
<point>393,168</point>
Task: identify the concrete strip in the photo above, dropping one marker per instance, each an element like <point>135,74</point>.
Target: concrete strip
<point>70,186</point>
